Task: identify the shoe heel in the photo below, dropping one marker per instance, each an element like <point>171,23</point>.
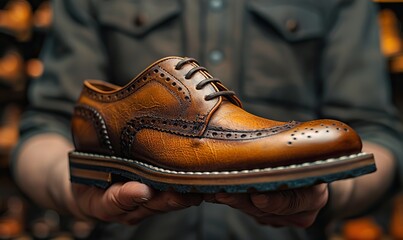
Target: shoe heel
<point>83,172</point>
<point>90,177</point>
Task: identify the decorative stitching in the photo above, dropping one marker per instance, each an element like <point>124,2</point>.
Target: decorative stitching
<point>187,128</point>
<point>152,75</point>
<point>245,171</point>
<point>98,122</point>
<point>180,127</point>
<point>187,94</point>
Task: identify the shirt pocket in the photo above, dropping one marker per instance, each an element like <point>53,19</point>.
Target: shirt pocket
<point>137,18</point>
<point>294,22</point>
<point>281,52</point>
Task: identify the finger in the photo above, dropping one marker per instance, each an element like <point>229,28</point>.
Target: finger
<point>292,201</point>
<point>302,219</point>
<point>162,202</point>
<point>138,215</point>
<point>118,199</point>
<point>82,194</point>
<point>168,201</point>
<point>239,201</point>
<point>132,193</point>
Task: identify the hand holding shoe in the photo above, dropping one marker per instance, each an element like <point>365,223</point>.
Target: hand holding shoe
<point>132,202</point>
<point>295,207</point>
<point>129,203</point>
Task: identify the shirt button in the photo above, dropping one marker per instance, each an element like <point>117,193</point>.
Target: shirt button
<point>139,20</point>
<point>216,56</point>
<point>292,25</point>
<point>216,4</point>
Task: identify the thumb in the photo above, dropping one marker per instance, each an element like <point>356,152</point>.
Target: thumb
<point>131,193</point>
<point>118,199</point>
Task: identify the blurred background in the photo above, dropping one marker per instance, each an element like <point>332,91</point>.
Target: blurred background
<point>23,28</point>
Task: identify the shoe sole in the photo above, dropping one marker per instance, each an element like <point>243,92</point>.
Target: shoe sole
<point>102,171</point>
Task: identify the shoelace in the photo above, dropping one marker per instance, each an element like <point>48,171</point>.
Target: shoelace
<point>204,82</point>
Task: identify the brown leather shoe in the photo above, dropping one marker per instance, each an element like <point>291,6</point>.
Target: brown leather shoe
<point>174,126</point>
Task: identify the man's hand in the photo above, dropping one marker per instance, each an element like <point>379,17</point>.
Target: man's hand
<point>129,203</point>
<point>296,207</point>
<point>45,177</point>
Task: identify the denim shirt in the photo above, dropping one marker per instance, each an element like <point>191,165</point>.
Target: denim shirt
<point>286,59</point>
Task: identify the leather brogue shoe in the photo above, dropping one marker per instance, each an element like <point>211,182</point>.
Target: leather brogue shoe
<point>176,127</point>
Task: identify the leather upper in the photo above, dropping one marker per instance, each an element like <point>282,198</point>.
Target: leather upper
<point>164,119</point>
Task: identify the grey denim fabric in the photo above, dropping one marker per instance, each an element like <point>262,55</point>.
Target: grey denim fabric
<point>286,59</point>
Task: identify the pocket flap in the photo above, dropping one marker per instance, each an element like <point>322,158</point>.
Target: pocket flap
<point>137,18</point>
<point>294,23</point>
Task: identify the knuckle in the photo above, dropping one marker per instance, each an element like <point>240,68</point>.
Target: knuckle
<point>298,201</point>
<point>290,203</point>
